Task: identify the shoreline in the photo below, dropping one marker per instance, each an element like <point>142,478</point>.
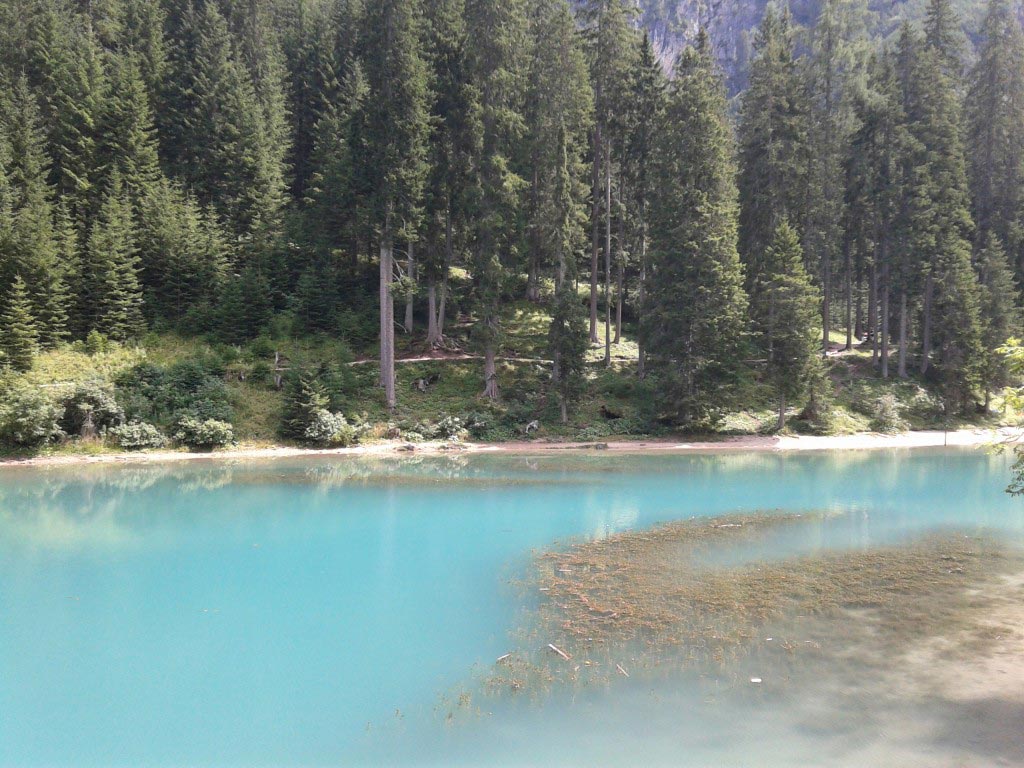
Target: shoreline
<point>738,443</point>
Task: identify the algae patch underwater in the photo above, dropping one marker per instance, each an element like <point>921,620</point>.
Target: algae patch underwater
<point>657,600</point>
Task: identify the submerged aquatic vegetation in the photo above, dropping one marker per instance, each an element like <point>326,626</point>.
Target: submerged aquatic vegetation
<point>662,599</point>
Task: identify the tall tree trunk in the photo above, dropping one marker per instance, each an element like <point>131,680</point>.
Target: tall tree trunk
<point>607,258</point>
<point>782,414</point>
<point>387,319</point>
<point>433,337</point>
<point>902,363</point>
<point>620,287</point>
<point>490,372</point>
<point>641,366</point>
<point>826,299</point>
<point>872,329</point>
<point>533,273</point>
<point>858,307</point>
<point>848,279</point>
<point>410,271</point>
<point>926,324</point>
<point>595,226</point>
<point>885,321</point>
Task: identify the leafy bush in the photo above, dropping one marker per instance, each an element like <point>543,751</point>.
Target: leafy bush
<point>28,417</point>
<point>192,388</point>
<point>91,403</point>
<point>95,343</point>
<point>326,428</point>
<point>203,434</point>
<point>136,435</point>
<point>308,396</point>
<point>886,416</point>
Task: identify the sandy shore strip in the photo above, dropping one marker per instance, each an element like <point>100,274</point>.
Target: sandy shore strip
<point>740,443</point>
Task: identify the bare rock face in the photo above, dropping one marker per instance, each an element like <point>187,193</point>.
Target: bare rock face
<point>731,24</point>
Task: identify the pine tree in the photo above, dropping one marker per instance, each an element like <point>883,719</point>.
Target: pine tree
<point>453,149</point>
<point>785,311</point>
<point>944,34</point>
<point>695,314</point>
<point>314,85</point>
<point>611,43</point>
<point>215,134</point>
<point>182,254</point>
<point>32,243</point>
<point>1000,314</point>
<point>557,116</point>
<point>396,114</point>
<point>142,35</point>
<point>128,143</point>
<point>643,111</point>
<point>835,70</point>
<point>19,336</point>
<point>498,28</point>
<point>110,298</point>
<point>939,218</point>
<point>995,134</point>
<point>75,91</point>
<point>773,143</point>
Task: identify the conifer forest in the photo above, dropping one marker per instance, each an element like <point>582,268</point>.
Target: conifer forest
<point>322,220</point>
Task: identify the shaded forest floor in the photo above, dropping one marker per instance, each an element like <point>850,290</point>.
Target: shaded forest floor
<point>434,384</point>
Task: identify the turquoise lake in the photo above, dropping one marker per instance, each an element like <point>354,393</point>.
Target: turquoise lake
<point>317,612</point>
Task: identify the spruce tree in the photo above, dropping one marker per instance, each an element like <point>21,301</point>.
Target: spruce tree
<point>610,40</point>
<point>774,150</point>
<point>995,134</point>
<point>695,313</point>
<point>110,298</point>
<point>1000,314</point>
<point>939,218</point>
<point>785,311</point>
<point>396,116</point>
<point>644,106</point>
<point>32,244</point>
<point>19,337</point>
<point>835,70</point>
<point>128,142</point>
<point>498,28</point>
<point>453,150</point>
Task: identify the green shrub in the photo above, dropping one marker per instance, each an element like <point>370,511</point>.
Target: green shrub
<point>28,416</point>
<point>136,435</point>
<point>886,416</point>
<point>203,434</point>
<point>95,343</point>
<point>330,429</point>
<point>91,403</point>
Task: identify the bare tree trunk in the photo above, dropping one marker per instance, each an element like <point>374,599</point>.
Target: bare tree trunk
<point>387,320</point>
<point>433,336</point>
<point>902,363</point>
<point>858,308</point>
<point>490,372</point>
<point>872,328</point>
<point>449,247</point>
<point>410,271</point>
<point>607,258</point>
<point>533,271</point>
<point>782,414</point>
<point>595,213</point>
<point>533,279</point>
<point>849,297</point>
<point>620,288</point>
<point>885,321</point>
<point>563,410</point>
<point>826,300</point>
<point>641,366</point>
<point>926,327</point>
